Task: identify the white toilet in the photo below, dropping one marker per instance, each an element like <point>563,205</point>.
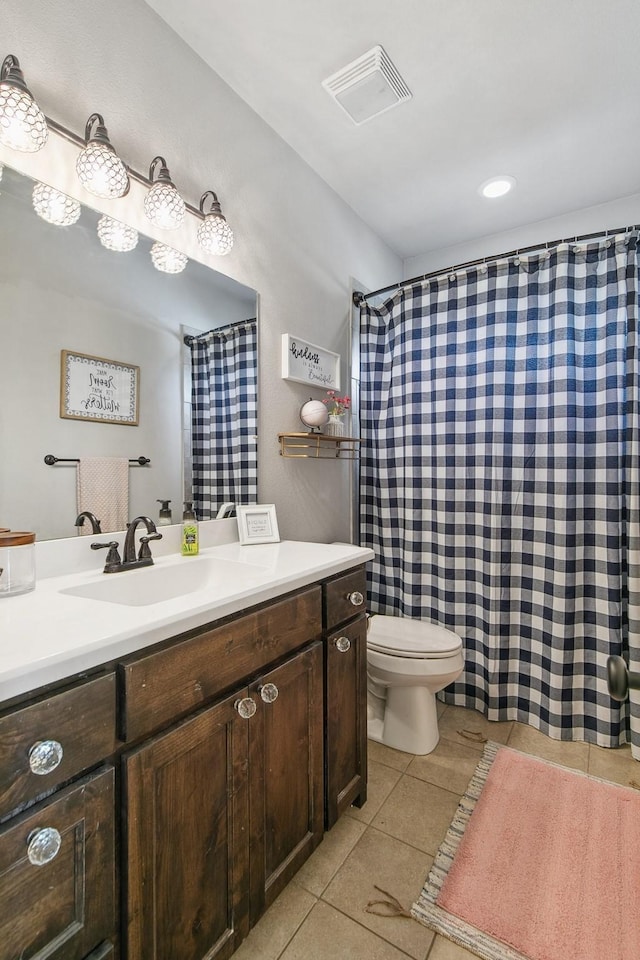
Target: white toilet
<point>408,662</point>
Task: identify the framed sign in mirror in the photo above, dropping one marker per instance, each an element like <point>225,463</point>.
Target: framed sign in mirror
<point>99,390</point>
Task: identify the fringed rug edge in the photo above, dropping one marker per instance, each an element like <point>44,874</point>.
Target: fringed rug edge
<point>426,910</point>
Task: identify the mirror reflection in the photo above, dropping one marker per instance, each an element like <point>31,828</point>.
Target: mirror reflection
<point>61,290</point>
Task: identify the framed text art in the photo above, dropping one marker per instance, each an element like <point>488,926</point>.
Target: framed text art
<point>98,390</point>
<point>257,523</point>
<point>306,363</point>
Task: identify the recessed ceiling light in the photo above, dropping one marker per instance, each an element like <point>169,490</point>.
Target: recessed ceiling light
<point>496,187</point>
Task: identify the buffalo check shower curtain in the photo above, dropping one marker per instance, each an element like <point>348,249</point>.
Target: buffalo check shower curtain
<point>224,417</point>
<point>500,477</point>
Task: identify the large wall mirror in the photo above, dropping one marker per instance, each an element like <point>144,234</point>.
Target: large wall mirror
<point>61,290</point>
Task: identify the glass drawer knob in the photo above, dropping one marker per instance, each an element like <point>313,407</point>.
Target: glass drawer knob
<point>343,644</point>
<point>43,846</point>
<point>246,707</point>
<point>356,598</point>
<point>268,692</point>
<point>45,756</point>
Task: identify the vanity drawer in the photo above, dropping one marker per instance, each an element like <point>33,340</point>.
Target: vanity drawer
<point>59,737</point>
<point>57,874</point>
<point>341,596</point>
<point>165,685</point>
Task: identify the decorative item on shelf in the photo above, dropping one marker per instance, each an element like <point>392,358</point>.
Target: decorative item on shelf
<point>23,125</point>
<point>214,233</point>
<point>337,409</point>
<point>314,415</point>
<point>163,204</point>
<point>100,170</point>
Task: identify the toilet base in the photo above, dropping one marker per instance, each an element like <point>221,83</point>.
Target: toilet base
<point>410,721</point>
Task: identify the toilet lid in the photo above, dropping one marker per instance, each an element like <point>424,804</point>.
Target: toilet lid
<point>405,637</point>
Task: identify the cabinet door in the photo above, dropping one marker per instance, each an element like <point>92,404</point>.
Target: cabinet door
<point>186,839</point>
<point>286,773</point>
<point>57,876</point>
<point>346,725</point>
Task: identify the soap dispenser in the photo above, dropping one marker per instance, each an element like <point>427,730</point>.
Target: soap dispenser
<point>190,544</point>
<point>165,513</point>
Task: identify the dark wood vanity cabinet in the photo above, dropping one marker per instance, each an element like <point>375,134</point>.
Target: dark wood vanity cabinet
<point>233,748</point>
<point>57,856</point>
<point>222,811</point>
<point>345,693</point>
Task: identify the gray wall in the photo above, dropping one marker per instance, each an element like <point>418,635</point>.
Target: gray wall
<point>297,243</point>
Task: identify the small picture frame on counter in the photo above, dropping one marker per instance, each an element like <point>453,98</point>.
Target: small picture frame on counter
<point>257,523</point>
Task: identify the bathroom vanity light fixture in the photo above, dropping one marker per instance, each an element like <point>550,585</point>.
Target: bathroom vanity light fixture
<point>166,259</point>
<point>163,204</point>
<point>23,125</point>
<point>55,207</point>
<point>115,235</point>
<point>100,170</point>
<point>214,233</point>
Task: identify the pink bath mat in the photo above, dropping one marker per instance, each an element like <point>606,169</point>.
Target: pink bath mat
<point>540,863</point>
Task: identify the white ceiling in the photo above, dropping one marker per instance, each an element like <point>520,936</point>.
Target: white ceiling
<point>547,91</point>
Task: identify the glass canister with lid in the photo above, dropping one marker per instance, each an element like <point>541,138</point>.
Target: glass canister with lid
<point>17,563</point>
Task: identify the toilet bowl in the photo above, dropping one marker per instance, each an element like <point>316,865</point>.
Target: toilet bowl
<point>408,662</point>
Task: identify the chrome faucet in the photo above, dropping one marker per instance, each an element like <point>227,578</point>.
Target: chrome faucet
<point>129,562</point>
<point>95,523</point>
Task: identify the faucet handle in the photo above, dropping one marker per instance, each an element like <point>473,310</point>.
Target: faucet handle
<point>113,557</point>
<point>145,551</point>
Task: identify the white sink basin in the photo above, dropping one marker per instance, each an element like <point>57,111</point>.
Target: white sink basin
<point>138,588</point>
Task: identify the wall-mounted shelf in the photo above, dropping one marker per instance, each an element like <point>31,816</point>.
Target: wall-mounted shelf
<point>319,446</point>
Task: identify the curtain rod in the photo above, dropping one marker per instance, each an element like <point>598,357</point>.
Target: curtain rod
<point>189,338</point>
<point>359,297</point>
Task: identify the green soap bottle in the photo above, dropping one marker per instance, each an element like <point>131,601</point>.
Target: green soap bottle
<point>190,545</point>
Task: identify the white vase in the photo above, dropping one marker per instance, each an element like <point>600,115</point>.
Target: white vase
<point>335,426</point>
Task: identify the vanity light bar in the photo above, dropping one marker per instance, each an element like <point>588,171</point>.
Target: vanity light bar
<point>23,126</point>
<point>133,174</point>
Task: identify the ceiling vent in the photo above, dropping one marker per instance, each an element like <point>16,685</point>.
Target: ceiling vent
<point>368,86</point>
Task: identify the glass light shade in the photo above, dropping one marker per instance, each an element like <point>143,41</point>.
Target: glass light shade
<point>164,206</point>
<point>55,207</point>
<point>115,235</point>
<point>215,235</point>
<point>167,259</point>
<point>101,171</point>
<point>22,123</point>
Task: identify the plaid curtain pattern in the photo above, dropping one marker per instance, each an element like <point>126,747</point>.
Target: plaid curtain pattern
<point>224,418</point>
<point>499,477</point>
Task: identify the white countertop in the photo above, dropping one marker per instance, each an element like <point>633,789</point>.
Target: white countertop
<point>47,635</point>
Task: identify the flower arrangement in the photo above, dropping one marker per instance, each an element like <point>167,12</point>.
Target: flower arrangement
<point>336,406</point>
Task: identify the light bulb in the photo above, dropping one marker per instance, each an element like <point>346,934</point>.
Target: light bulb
<point>167,259</point>
<point>22,123</point>
<point>115,235</point>
<point>55,207</point>
<point>496,187</point>
<point>215,235</point>
<point>163,204</point>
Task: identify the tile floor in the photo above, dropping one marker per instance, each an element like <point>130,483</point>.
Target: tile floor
<point>391,842</point>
